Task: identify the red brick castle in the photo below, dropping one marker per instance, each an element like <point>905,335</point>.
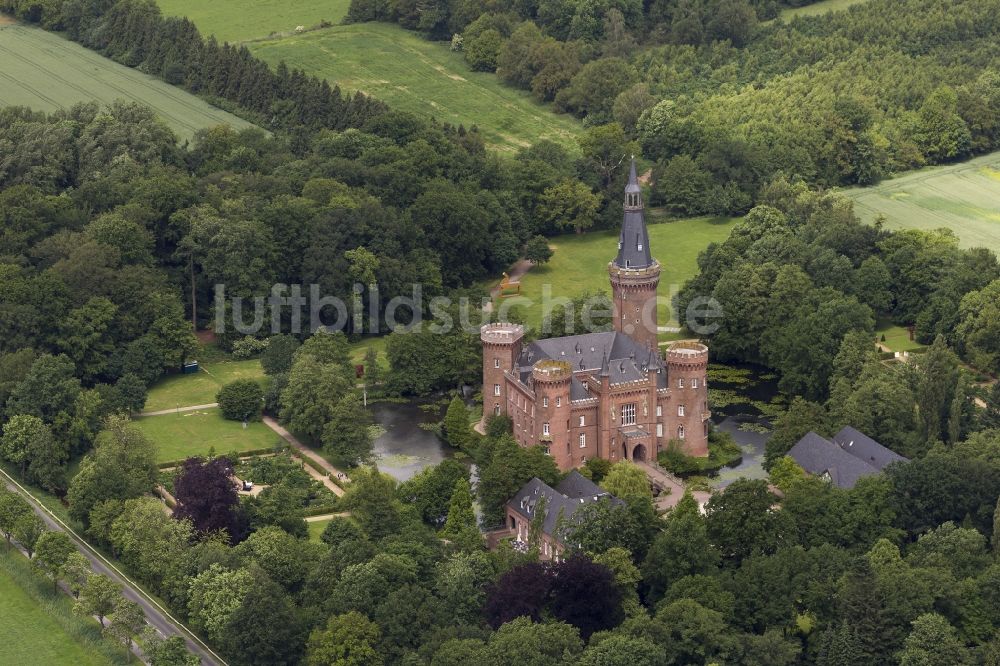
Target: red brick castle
<point>605,395</point>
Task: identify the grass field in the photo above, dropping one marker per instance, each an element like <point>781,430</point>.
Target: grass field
<point>31,632</point>
<point>239,21</point>
<point>413,74</point>
<point>46,72</point>
<point>579,262</point>
<point>200,389</point>
<point>817,8</point>
<point>395,65</point>
<point>963,197</point>
<point>185,434</point>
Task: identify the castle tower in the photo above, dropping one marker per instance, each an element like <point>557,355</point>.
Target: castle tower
<point>501,347</point>
<point>551,380</point>
<point>634,273</point>
<point>687,369</point>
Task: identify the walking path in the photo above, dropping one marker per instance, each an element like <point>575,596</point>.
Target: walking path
<point>156,616</point>
<point>327,516</point>
<point>663,480</point>
<point>175,410</point>
<point>304,450</point>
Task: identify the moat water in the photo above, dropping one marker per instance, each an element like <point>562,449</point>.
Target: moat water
<point>742,409</point>
<point>404,447</point>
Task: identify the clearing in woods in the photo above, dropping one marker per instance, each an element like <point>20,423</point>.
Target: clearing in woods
<point>397,66</point>
<point>46,72</point>
<point>962,197</point>
<point>817,8</point>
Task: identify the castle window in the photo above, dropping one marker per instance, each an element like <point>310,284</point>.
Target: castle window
<point>680,432</point>
<point>496,363</point>
<point>680,383</point>
<point>582,419</point>
<point>558,402</point>
<point>583,441</point>
<point>545,428</point>
<point>545,402</point>
<point>496,410</point>
<point>496,389</point>
<point>694,382</point>
<point>659,430</point>
<point>680,410</point>
<point>659,410</point>
<point>628,414</point>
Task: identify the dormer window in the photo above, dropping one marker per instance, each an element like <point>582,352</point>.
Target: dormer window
<point>639,247</point>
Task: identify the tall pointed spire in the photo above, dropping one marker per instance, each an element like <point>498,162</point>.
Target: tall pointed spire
<point>633,243</point>
<point>605,365</point>
<point>633,187</point>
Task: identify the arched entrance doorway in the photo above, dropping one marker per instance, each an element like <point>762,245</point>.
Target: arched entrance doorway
<point>639,453</point>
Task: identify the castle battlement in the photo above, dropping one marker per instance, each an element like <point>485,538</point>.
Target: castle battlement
<point>687,352</point>
<point>552,371</point>
<point>501,333</point>
<point>650,272</point>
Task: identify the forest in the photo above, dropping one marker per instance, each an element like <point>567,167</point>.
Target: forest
<point>722,101</point>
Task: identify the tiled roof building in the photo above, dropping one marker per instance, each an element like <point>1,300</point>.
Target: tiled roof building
<point>844,459</point>
<point>560,503</point>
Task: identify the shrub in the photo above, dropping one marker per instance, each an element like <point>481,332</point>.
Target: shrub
<point>248,347</point>
<point>241,400</point>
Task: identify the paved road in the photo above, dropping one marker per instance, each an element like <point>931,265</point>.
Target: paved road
<point>157,616</point>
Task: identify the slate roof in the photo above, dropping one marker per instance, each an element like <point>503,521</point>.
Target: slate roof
<point>844,463</point>
<point>565,499</point>
<point>633,242</point>
<point>585,352</point>
<point>867,449</point>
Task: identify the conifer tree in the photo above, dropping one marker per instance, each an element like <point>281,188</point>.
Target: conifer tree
<point>460,527</point>
<point>456,424</point>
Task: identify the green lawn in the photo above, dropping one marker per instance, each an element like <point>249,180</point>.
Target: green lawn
<point>179,436</point>
<point>46,72</point>
<point>579,262</point>
<point>897,338</point>
<point>199,389</point>
<point>239,21</point>
<point>34,632</point>
<point>316,528</point>
<point>963,197</point>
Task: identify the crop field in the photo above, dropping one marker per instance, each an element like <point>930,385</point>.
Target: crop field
<point>47,73</point>
<point>963,197</point>
<point>392,64</point>
<point>32,633</point>
<point>184,434</point>
<point>579,262</point>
